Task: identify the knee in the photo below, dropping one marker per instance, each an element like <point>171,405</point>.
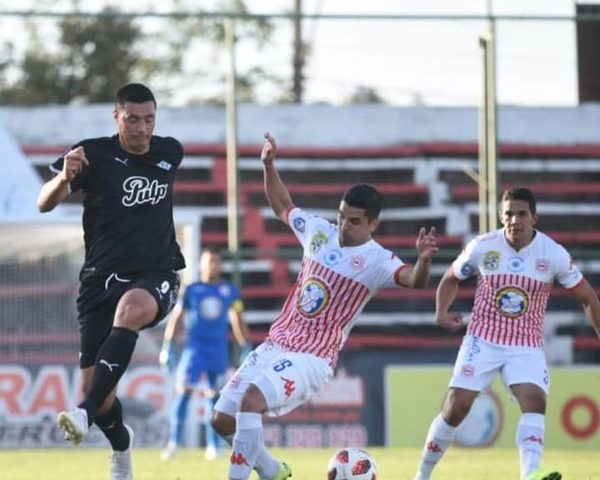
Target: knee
<point>130,314</point>
<point>222,423</point>
<point>253,401</point>
<point>135,310</point>
<point>534,403</point>
<point>456,408</point>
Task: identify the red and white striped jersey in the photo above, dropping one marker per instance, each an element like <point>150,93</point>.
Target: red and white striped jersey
<point>513,286</point>
<point>332,288</point>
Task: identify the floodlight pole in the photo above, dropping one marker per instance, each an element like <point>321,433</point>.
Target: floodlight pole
<point>488,143</point>
<point>233,225</point>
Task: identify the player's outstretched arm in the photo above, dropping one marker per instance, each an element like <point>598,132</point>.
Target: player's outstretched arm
<point>275,190</point>
<point>444,298</point>
<point>56,190</point>
<point>586,295</point>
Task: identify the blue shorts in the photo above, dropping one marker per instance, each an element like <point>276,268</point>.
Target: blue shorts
<point>195,362</point>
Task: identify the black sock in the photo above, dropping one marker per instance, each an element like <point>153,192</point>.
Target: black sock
<point>111,362</point>
<point>111,424</point>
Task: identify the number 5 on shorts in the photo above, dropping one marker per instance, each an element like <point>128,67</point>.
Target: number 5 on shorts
<point>281,366</point>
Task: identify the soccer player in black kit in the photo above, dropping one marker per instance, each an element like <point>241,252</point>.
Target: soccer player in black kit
<point>129,280</point>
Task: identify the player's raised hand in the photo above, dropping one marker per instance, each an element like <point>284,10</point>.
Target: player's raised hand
<point>426,244</point>
<point>73,163</point>
<point>450,321</point>
<point>269,150</point>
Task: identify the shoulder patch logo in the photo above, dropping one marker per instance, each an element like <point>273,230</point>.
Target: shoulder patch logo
<point>467,270</point>
<point>299,224</point>
<point>491,261</point>
<point>164,165</point>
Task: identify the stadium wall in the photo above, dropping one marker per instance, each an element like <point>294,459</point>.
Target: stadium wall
<point>315,125</point>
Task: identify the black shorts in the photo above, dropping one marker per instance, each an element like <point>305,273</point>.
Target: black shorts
<point>98,299</point>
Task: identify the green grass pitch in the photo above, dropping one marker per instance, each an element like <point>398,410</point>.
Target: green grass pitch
<point>307,464</point>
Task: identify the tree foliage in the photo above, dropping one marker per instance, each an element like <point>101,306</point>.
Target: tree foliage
<point>364,95</point>
<point>97,54</point>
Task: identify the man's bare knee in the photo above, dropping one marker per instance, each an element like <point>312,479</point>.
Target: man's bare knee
<point>457,405</point>
<point>253,400</point>
<point>222,423</point>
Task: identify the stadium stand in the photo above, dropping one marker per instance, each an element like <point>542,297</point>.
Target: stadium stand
<point>426,184</point>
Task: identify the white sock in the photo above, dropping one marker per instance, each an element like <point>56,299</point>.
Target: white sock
<point>530,441</point>
<point>247,442</point>
<point>439,437</point>
<point>266,465</point>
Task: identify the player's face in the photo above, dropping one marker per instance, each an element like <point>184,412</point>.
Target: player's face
<point>210,267</point>
<point>518,222</point>
<point>355,228</point>
<point>135,122</point>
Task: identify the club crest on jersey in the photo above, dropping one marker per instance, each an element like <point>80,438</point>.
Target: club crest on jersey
<point>140,190</point>
<point>211,308</point>
<point>317,241</point>
<point>512,301</point>
<point>314,297</point>
<point>491,261</point>
<point>516,264</point>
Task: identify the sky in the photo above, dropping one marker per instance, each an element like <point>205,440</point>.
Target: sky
<point>407,62</point>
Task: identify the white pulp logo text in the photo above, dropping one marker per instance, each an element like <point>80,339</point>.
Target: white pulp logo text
<point>141,190</point>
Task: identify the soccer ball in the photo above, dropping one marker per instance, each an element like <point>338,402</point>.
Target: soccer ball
<point>351,464</point>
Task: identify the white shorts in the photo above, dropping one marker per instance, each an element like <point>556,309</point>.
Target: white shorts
<point>478,362</point>
<point>286,379</point>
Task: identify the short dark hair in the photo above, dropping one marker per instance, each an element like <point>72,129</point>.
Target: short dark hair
<point>364,196</point>
<point>520,193</point>
<point>134,92</point>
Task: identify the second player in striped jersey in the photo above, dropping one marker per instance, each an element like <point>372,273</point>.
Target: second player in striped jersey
<point>516,266</point>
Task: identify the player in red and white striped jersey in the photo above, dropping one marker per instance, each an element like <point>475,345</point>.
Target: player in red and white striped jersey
<point>517,266</point>
<point>342,268</point>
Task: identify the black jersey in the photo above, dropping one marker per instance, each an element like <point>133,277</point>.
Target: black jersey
<point>128,206</point>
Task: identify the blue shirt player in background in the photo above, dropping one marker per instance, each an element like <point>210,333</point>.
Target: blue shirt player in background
<point>208,307</point>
